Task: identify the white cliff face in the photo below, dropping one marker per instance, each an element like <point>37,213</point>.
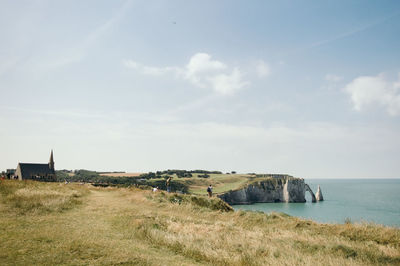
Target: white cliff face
<point>285,191</point>
<point>319,196</point>
<point>273,190</point>
<point>296,189</point>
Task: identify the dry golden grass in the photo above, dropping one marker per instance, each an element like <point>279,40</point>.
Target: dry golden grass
<point>29,196</point>
<point>136,227</point>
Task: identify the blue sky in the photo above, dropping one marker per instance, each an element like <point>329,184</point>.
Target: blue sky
<point>308,88</point>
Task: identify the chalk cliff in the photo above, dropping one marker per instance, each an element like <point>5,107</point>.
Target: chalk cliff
<point>319,196</point>
<point>282,189</point>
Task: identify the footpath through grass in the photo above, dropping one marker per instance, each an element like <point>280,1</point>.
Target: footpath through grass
<point>108,226</point>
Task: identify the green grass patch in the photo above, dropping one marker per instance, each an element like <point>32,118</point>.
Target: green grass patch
<point>220,182</point>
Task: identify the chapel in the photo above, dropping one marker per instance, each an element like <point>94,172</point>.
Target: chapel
<point>37,171</point>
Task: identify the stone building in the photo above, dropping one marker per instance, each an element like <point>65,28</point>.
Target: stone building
<point>37,171</point>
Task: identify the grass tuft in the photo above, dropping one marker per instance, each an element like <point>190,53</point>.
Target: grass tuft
<point>213,203</point>
<point>344,251</point>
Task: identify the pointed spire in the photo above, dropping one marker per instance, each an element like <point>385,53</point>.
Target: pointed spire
<point>51,161</point>
<point>319,194</point>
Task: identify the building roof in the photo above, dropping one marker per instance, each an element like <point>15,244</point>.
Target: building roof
<point>29,169</point>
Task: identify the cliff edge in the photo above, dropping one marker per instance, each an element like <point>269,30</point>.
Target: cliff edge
<point>271,189</point>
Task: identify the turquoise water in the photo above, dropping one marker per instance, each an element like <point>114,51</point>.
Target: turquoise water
<point>370,200</point>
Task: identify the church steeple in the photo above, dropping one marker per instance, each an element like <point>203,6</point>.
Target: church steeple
<point>51,162</point>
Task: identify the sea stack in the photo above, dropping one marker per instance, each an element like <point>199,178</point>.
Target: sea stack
<point>319,196</point>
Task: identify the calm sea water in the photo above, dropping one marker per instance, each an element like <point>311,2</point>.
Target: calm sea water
<point>371,200</point>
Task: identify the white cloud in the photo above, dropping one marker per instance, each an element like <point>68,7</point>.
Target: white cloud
<point>263,69</point>
<point>201,71</point>
<point>202,63</point>
<point>201,67</point>
<point>228,83</point>
<point>333,78</point>
<point>366,91</point>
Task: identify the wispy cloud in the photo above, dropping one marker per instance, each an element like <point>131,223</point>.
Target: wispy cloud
<point>345,34</point>
<point>355,30</point>
<point>152,70</point>
<point>79,51</point>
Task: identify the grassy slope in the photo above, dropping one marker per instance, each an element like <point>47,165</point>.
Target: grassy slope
<point>83,225</point>
<point>221,183</point>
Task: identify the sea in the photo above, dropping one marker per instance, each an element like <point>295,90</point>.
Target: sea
<point>355,200</point>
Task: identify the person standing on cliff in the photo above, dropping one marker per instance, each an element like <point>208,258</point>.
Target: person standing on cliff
<point>168,184</point>
<point>209,191</point>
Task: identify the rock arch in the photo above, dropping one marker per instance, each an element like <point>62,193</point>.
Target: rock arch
<point>313,199</point>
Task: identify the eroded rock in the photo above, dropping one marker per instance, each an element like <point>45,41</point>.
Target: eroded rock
<point>280,189</point>
<point>319,196</point>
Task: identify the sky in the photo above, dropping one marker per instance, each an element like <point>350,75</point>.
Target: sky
<point>306,88</point>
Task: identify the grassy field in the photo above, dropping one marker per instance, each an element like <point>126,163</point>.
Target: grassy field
<point>58,224</point>
<point>194,185</point>
<point>220,183</point>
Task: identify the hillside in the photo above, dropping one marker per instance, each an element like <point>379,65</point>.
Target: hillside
<point>195,184</point>
<point>220,182</point>
<point>52,223</point>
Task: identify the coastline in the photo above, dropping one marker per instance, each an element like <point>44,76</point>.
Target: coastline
<point>357,200</point>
